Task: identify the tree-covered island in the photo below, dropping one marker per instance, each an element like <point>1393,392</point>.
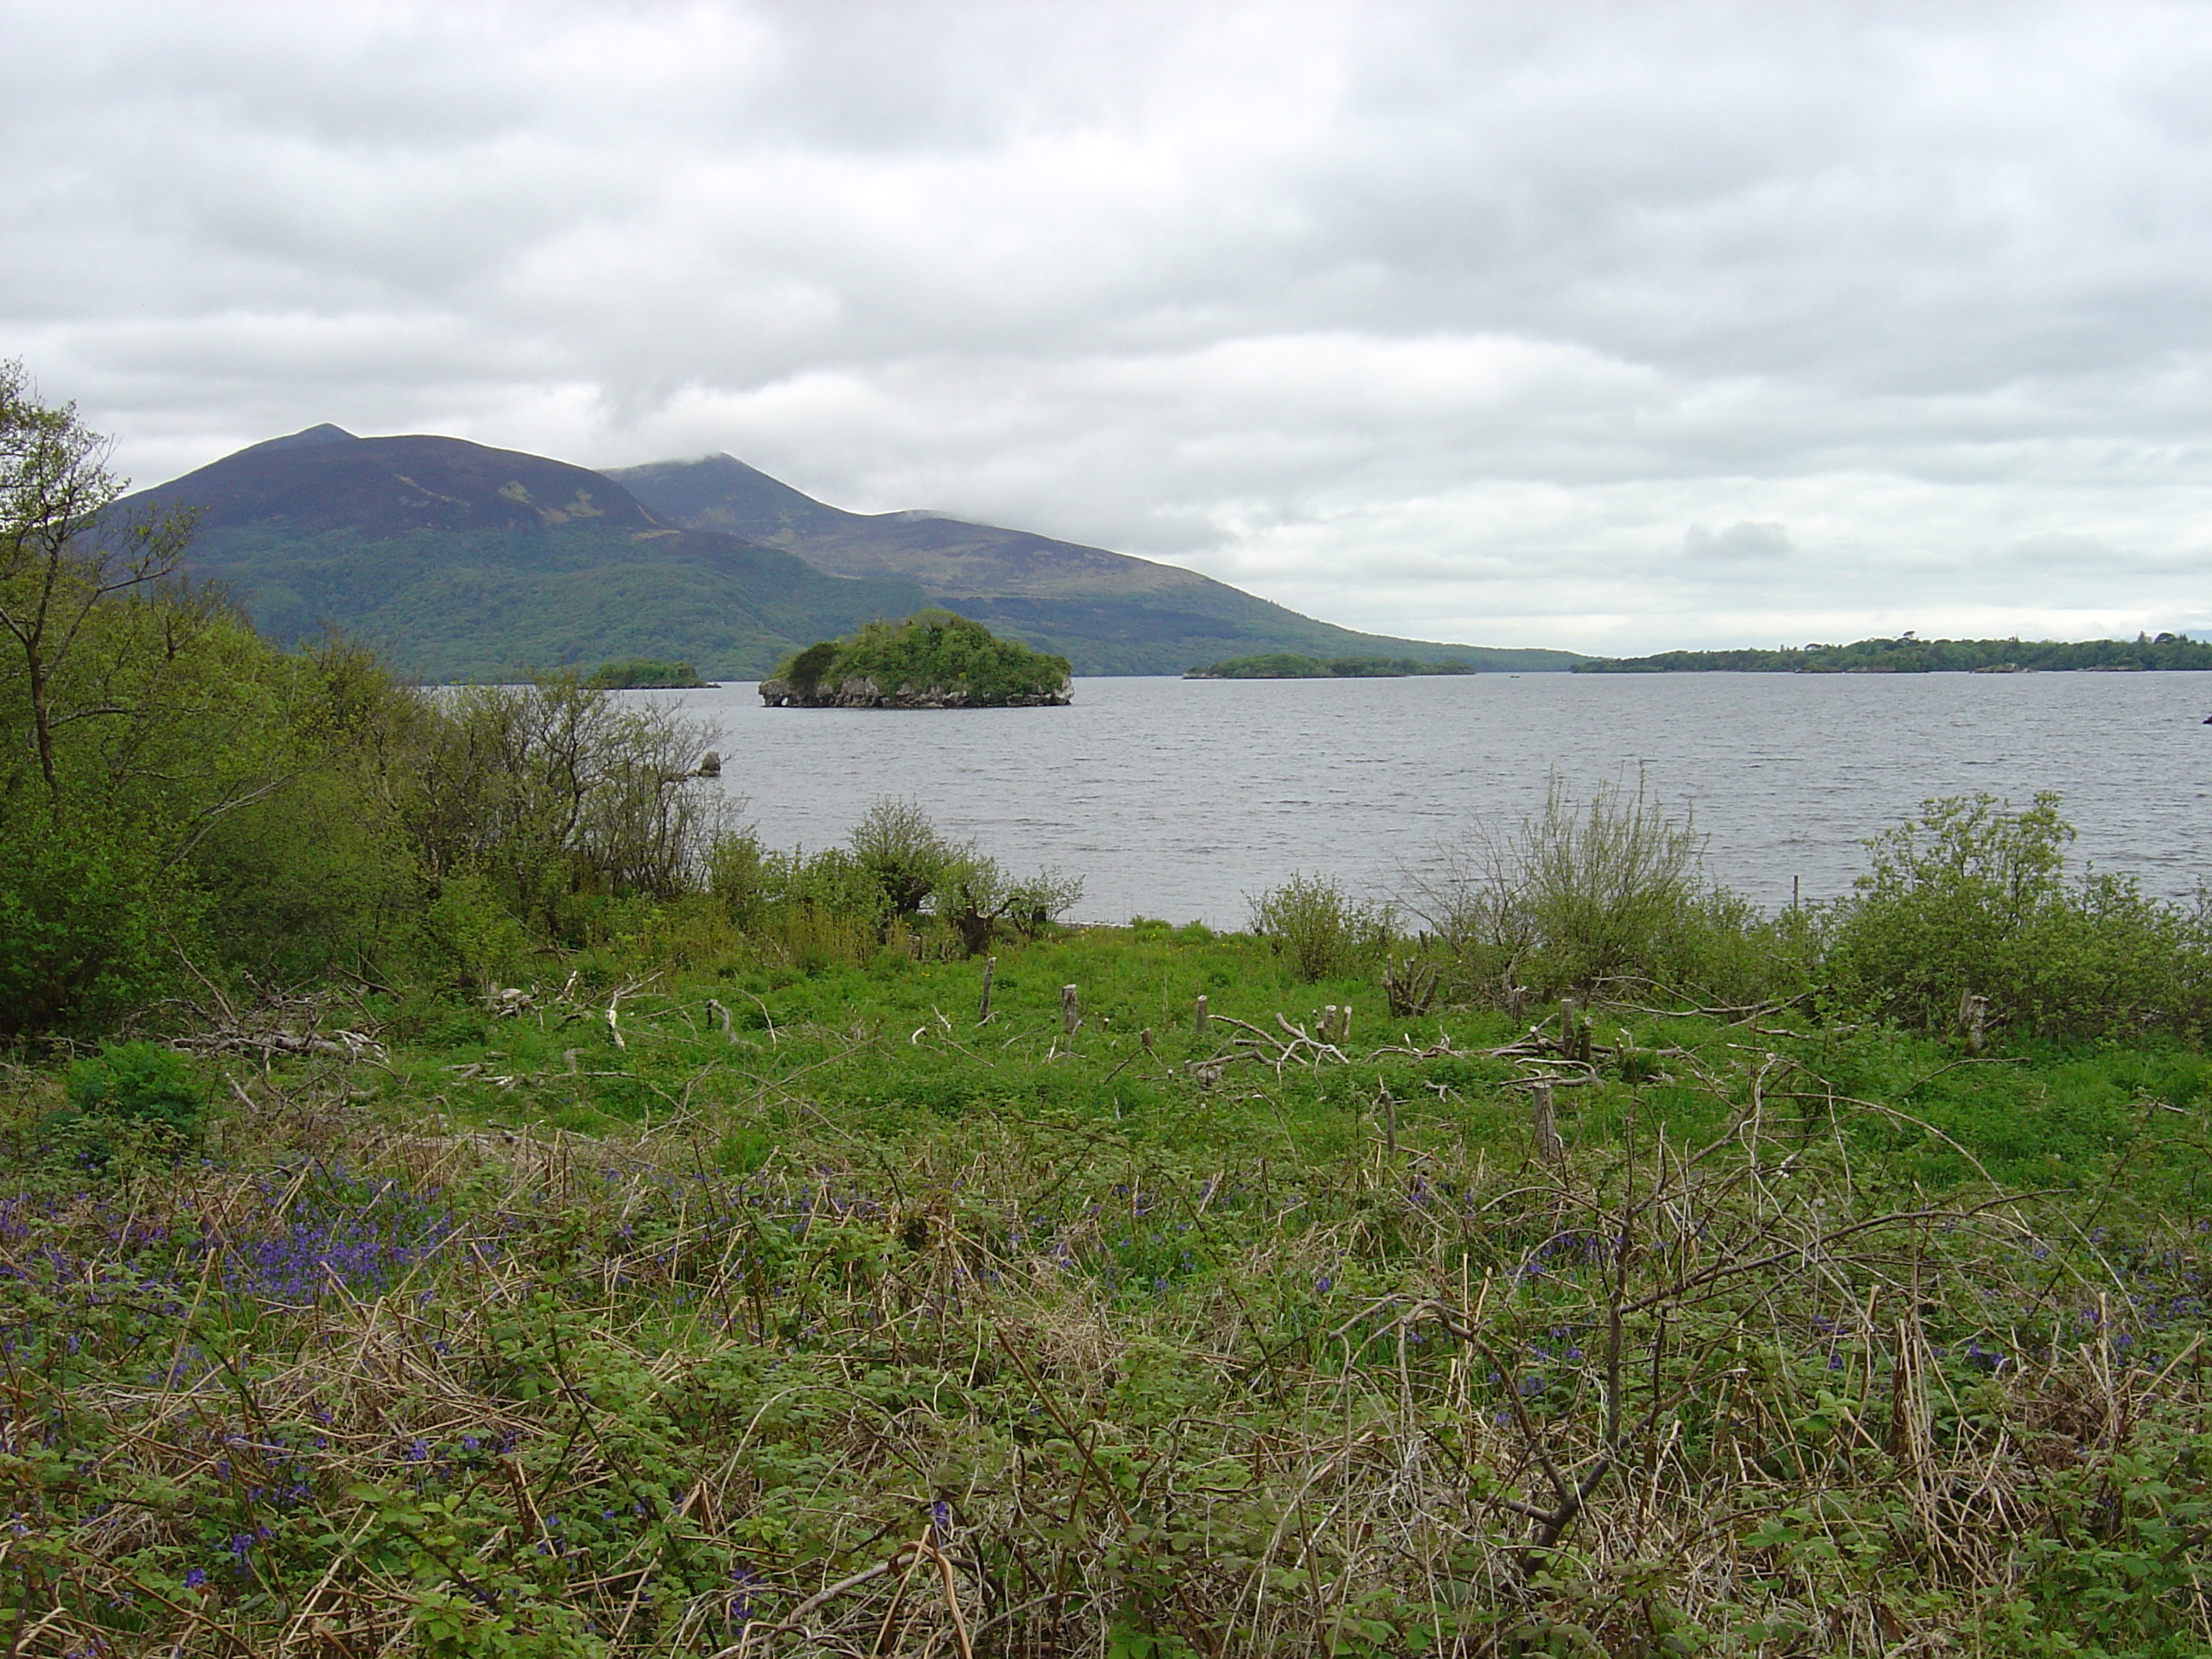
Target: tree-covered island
<point>1291,665</point>
<point>645,674</point>
<point>1908,654</point>
<point>931,660</point>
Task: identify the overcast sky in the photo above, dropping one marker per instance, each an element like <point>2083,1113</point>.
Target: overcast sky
<point>1615,327</point>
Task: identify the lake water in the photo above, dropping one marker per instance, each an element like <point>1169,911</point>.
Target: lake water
<point>1178,797</point>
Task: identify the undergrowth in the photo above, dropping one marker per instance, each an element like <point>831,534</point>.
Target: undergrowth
<point>771,1312</point>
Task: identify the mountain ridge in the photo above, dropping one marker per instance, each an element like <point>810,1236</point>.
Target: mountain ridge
<point>1089,604</point>
<point>459,560</point>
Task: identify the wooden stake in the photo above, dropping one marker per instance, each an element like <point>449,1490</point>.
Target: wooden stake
<point>1544,1127</point>
<point>1198,1020</point>
<point>1974,1021</point>
<point>1071,1010</point>
<point>983,1008</point>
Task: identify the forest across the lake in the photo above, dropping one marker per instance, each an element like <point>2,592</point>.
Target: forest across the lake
<point>1907,654</point>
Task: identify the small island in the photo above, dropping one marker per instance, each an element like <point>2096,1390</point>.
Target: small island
<point>1289,665</point>
<point>644,674</point>
<point>931,660</point>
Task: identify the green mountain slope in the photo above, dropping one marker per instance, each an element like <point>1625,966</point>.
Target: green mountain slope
<point>460,561</point>
<point>1107,612</point>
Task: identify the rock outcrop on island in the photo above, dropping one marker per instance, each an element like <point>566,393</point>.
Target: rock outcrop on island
<point>932,659</point>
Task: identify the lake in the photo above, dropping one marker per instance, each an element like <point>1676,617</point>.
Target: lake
<point>1178,797</point>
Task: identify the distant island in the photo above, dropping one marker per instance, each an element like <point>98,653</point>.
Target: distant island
<point>644,674</point>
<point>1289,665</point>
<point>931,660</point>
<point>1908,654</point>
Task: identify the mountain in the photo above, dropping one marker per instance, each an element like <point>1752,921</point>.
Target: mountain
<point>1107,612</point>
<point>460,561</point>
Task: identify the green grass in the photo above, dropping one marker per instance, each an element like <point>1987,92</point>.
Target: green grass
<point>534,1332</point>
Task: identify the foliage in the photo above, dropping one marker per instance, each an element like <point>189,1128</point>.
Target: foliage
<point>137,721</point>
<point>1289,665</point>
<point>903,853</point>
<point>631,1326</point>
<point>642,673</point>
<point>1585,893</point>
<point>1972,898</point>
<point>187,810</point>
<point>1909,655</point>
<point>897,876</point>
<point>138,1081</point>
<point>930,652</point>
<point>1322,929</point>
<point>561,797</point>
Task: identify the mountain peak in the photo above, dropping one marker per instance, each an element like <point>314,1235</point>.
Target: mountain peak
<point>312,437</point>
<point>720,492</point>
<point>325,479</point>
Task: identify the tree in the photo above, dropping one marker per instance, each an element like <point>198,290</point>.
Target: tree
<point>61,562</point>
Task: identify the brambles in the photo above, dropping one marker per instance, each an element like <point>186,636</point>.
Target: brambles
<point>138,1081</point>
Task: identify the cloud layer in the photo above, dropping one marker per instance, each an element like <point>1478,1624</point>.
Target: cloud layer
<point>1619,327</point>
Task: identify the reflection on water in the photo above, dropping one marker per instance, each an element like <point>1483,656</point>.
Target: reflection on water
<point>1176,797</point>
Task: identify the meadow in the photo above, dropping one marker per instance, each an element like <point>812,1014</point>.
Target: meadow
<point>780,1307</point>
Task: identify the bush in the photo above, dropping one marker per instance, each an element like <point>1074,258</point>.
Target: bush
<point>902,853</point>
<point>1323,930</point>
<point>131,1101</point>
<point>137,1082</point>
<point>1972,898</point>
<point>1610,890</point>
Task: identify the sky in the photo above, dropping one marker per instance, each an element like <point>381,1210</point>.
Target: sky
<point>1614,327</point>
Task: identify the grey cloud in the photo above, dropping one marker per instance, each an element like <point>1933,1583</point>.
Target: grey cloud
<point>1764,542</point>
<point>1398,314</point>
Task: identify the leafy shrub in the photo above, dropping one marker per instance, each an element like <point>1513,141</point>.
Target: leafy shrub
<point>975,896</point>
<point>902,852</point>
<point>137,1082</point>
<point>737,876</point>
<point>82,916</point>
<point>1321,928</point>
<point>131,1101</point>
<point>1972,898</point>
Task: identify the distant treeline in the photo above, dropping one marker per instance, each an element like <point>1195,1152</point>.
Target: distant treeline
<point>1289,665</point>
<point>1909,655</point>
